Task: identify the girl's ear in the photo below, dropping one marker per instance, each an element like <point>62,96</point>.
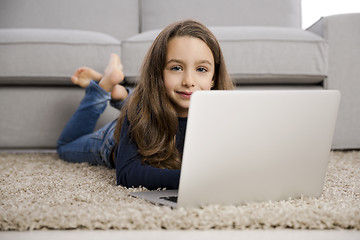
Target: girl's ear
<point>212,83</point>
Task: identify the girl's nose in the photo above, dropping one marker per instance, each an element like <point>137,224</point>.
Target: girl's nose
<point>188,80</point>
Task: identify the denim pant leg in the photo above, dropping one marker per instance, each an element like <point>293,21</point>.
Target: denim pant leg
<point>87,114</point>
<point>78,142</point>
<point>94,148</point>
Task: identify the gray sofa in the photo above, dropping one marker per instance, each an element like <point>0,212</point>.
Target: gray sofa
<point>42,42</point>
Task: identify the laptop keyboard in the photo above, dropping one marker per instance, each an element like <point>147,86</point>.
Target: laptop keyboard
<point>170,198</point>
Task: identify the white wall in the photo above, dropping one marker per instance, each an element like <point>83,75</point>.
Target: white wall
<point>312,10</point>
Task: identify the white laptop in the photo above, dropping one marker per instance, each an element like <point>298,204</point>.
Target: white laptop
<point>253,145</point>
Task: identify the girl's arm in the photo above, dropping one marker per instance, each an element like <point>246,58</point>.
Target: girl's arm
<point>131,172</point>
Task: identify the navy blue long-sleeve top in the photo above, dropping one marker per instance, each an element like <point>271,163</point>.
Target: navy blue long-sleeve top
<point>132,172</point>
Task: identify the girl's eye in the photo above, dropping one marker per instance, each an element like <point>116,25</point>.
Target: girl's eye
<point>202,69</point>
<point>176,68</point>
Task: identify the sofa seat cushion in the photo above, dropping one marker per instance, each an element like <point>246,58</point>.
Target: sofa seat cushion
<point>50,56</point>
<point>253,55</point>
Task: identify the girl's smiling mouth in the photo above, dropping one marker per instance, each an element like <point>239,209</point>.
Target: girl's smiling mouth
<point>184,94</point>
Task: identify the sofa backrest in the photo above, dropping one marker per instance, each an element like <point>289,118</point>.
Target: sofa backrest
<point>156,14</point>
<point>125,18</point>
<point>118,18</point>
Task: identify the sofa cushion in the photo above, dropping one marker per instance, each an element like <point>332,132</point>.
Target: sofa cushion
<point>50,56</point>
<point>253,55</point>
<point>156,14</point>
<point>117,18</point>
<point>273,55</point>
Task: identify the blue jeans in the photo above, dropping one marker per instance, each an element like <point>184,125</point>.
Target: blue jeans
<point>78,142</point>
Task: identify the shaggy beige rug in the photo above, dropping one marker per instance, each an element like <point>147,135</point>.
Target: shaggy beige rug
<point>39,191</point>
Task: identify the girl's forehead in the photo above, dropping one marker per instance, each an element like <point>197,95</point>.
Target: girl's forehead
<point>185,38</point>
<point>187,46</point>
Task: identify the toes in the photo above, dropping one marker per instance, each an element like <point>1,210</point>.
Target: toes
<point>74,79</point>
<point>115,59</point>
<point>78,71</point>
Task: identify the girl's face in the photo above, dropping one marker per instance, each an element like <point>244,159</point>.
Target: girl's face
<point>189,67</point>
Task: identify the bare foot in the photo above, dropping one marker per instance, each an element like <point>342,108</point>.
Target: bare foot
<point>113,74</point>
<point>82,76</point>
<point>119,93</point>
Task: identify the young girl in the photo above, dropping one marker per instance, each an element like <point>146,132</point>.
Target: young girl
<point>145,144</point>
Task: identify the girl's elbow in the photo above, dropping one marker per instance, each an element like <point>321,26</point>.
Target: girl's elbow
<point>123,178</point>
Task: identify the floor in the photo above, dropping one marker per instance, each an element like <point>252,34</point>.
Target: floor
<point>174,235</point>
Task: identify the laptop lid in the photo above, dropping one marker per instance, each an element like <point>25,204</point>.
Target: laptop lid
<point>244,146</point>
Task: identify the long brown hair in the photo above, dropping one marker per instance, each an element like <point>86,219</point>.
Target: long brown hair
<point>153,119</point>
